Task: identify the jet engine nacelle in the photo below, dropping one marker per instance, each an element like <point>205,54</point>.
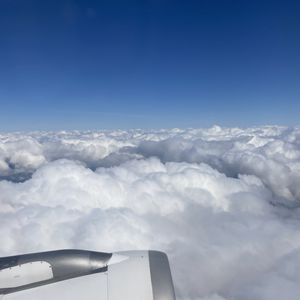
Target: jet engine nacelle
<point>86,275</point>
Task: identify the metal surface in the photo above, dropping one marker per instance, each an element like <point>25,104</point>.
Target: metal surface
<point>89,287</point>
<point>65,264</point>
<point>25,274</point>
<point>77,274</point>
<point>130,278</point>
<point>161,278</point>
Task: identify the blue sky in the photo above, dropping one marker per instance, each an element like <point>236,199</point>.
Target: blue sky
<point>158,63</point>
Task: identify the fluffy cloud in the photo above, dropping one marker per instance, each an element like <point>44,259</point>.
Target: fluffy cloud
<point>222,202</point>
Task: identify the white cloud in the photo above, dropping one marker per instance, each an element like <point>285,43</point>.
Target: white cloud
<point>223,203</point>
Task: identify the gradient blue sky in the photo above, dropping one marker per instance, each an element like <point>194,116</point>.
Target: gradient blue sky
<point>71,64</point>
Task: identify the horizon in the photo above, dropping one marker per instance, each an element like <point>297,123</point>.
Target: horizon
<point>149,129</point>
<point>152,124</point>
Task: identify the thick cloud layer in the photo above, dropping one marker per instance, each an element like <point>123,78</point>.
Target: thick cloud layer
<point>222,202</point>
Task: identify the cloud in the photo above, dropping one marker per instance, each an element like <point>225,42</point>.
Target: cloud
<point>222,202</point>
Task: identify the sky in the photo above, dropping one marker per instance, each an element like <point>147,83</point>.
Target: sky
<point>71,64</point>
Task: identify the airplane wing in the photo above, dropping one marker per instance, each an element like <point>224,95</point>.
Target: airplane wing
<point>86,275</point>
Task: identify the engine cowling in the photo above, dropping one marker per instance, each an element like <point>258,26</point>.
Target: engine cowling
<point>80,274</point>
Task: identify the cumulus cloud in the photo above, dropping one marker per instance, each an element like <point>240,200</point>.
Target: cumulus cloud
<point>222,202</point>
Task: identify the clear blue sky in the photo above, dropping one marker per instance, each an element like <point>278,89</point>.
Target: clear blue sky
<point>85,64</point>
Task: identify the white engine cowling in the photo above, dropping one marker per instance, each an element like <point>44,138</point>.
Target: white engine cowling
<point>77,275</point>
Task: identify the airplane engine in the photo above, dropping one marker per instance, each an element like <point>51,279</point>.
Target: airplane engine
<point>88,275</point>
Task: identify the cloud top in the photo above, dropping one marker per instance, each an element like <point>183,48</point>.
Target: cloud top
<point>222,202</point>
